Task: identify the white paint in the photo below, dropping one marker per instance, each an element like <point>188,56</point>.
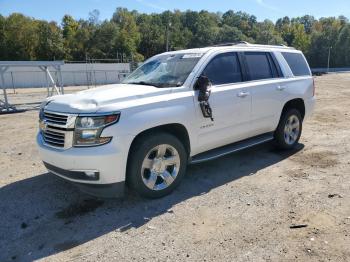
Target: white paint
<point>144,107</point>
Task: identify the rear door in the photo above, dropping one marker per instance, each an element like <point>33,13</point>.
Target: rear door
<point>265,85</point>
<point>229,100</point>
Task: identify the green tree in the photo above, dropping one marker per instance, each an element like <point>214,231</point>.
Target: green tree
<point>82,40</point>
<point>180,35</point>
<point>2,38</point>
<point>206,29</point>
<point>152,34</point>
<point>70,28</point>
<point>267,35</point>
<point>103,40</point>
<point>144,35</point>
<point>20,37</point>
<point>50,41</point>
<point>301,40</point>
<point>230,34</point>
<point>128,37</point>
<point>341,49</point>
<point>323,37</point>
<point>244,22</point>
<point>307,21</point>
<point>69,25</point>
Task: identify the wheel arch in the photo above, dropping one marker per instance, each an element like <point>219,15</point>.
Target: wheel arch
<point>176,129</point>
<point>297,103</point>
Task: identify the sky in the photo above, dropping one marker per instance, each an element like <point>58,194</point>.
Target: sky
<point>262,9</point>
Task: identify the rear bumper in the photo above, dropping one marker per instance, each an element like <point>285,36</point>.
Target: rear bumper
<point>309,106</point>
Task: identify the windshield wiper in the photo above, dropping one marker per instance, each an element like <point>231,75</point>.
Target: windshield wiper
<point>143,83</point>
<point>158,85</point>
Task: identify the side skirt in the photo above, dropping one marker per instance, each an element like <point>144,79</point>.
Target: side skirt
<point>231,148</point>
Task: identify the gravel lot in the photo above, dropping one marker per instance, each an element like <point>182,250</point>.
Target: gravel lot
<point>237,208</point>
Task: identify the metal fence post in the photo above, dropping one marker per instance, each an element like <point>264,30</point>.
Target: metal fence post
<point>13,84</point>
<point>47,81</point>
<point>60,79</point>
<point>2,71</point>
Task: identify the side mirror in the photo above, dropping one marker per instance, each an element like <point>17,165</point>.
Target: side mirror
<point>203,84</point>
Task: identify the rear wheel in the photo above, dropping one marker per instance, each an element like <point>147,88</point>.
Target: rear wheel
<point>289,129</point>
<point>156,164</point>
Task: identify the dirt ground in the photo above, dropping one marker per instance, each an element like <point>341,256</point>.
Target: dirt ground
<point>241,207</point>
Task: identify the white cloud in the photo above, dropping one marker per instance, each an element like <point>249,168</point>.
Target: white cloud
<point>263,4</point>
<point>149,4</point>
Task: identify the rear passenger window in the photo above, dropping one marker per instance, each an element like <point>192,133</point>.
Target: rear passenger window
<point>258,65</point>
<point>224,69</point>
<point>297,64</point>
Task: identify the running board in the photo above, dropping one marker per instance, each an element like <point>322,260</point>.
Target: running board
<point>231,148</point>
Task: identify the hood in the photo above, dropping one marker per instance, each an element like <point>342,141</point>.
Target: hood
<point>95,99</point>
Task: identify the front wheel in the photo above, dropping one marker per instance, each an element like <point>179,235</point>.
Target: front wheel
<point>289,129</point>
<point>156,165</point>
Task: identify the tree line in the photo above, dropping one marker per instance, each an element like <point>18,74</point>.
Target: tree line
<point>141,36</point>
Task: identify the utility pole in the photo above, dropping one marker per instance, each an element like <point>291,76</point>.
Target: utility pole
<point>167,35</point>
<point>329,58</point>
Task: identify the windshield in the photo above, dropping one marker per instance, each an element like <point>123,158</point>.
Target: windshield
<point>167,70</point>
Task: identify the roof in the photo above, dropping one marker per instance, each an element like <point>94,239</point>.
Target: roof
<point>236,46</point>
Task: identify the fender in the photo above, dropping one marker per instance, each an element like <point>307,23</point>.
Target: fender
<point>179,110</point>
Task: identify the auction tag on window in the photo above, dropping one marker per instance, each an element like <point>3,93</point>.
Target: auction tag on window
<point>194,55</point>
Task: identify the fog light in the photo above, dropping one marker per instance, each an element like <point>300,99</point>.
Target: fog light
<point>91,174</point>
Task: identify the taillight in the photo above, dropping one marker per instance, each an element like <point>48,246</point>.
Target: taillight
<point>314,86</point>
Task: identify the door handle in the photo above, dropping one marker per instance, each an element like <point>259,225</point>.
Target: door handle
<point>280,88</point>
<point>243,94</point>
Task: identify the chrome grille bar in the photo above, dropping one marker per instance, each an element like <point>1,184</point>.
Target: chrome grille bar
<point>58,129</point>
<point>55,118</point>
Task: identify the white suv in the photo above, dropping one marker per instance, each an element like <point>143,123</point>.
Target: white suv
<point>177,108</point>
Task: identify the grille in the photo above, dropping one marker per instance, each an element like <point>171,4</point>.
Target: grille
<point>57,129</point>
<point>53,138</point>
<point>57,119</point>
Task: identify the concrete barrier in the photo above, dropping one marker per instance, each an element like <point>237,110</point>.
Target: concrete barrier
<point>333,70</point>
<point>72,74</point>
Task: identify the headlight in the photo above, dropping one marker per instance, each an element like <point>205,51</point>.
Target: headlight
<point>88,129</point>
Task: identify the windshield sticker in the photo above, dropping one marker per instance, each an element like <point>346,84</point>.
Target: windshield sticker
<point>196,55</point>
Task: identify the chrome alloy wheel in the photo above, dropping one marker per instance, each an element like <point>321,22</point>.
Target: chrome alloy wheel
<point>291,129</point>
<point>160,167</point>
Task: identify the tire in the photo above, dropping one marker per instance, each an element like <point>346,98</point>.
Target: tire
<point>289,129</point>
<point>157,163</point>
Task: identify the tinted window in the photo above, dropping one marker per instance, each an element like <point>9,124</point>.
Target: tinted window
<point>297,64</point>
<point>224,69</point>
<point>258,65</point>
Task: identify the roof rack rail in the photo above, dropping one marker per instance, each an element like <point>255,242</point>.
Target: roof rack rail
<point>233,43</point>
<point>253,45</point>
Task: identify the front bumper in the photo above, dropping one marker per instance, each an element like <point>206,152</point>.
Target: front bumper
<point>89,167</point>
<point>113,190</point>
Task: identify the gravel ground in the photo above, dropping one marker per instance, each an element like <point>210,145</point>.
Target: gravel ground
<point>238,208</point>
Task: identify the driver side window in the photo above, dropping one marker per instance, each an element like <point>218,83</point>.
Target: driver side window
<point>224,69</point>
